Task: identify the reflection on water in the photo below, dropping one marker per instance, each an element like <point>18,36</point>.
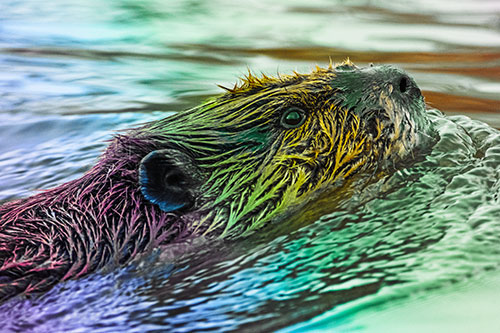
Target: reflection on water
<point>70,74</point>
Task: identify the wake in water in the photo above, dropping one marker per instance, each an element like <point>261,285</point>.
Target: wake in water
<point>425,227</point>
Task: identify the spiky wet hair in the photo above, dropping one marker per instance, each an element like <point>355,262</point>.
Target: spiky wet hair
<point>223,169</point>
<point>251,165</point>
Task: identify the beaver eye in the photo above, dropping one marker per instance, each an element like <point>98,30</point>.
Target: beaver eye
<point>293,118</point>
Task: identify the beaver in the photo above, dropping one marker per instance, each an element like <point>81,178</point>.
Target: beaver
<point>224,169</point>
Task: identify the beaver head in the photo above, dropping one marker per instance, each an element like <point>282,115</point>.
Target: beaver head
<point>243,158</point>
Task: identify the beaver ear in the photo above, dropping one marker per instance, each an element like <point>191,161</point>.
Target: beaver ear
<point>169,179</point>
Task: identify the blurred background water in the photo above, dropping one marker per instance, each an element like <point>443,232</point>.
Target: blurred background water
<point>421,254</point>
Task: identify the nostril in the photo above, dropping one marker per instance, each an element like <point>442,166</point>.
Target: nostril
<point>404,84</point>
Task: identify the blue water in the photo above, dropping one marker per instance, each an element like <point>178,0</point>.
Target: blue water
<point>417,251</point>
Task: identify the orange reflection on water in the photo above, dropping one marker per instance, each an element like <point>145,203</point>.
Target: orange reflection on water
<point>462,104</point>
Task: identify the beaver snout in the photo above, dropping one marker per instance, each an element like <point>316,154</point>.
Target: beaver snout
<point>399,83</point>
<point>405,85</point>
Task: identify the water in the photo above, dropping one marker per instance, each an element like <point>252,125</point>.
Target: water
<point>415,252</point>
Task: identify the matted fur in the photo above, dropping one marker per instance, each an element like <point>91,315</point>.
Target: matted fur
<point>252,170</point>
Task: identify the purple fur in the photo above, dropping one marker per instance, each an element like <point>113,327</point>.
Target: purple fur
<point>83,225</point>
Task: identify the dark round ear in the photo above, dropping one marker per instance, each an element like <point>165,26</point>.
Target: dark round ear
<point>169,179</point>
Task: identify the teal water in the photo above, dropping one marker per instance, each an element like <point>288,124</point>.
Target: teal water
<point>417,251</point>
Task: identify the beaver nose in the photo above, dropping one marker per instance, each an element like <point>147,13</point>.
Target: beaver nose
<point>404,82</point>
<point>404,85</point>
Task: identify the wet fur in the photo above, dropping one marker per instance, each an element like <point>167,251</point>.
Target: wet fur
<point>250,171</point>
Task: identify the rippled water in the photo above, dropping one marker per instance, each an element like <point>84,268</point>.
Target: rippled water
<point>416,251</point>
